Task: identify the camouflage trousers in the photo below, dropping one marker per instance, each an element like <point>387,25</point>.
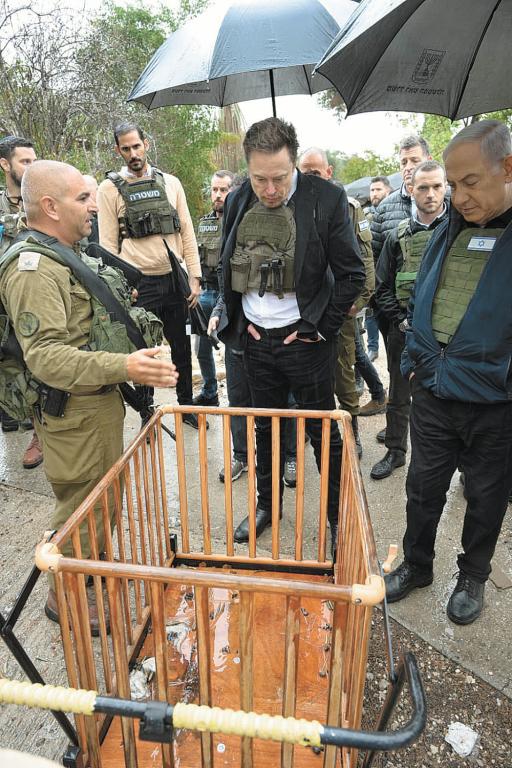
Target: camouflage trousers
<point>79,449</point>
<point>345,386</point>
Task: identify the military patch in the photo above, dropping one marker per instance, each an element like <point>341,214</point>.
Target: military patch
<point>28,262</point>
<point>365,224</point>
<point>28,323</point>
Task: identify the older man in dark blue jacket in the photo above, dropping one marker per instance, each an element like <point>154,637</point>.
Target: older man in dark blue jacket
<point>458,358</point>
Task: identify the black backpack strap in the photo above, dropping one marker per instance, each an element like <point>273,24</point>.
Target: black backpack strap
<point>94,284</point>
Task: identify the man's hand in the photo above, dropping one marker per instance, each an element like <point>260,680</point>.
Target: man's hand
<point>195,290</point>
<point>143,368</point>
<point>352,311</point>
<point>254,333</point>
<point>293,337</point>
<point>213,324</point>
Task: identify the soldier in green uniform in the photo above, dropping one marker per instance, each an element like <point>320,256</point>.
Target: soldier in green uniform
<point>314,161</point>
<point>209,231</point>
<point>16,154</point>
<point>53,317</point>
<point>458,345</point>
<point>397,267</point>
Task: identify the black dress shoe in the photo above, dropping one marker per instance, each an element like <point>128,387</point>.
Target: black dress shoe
<point>191,420</point>
<point>381,436</point>
<point>263,520</point>
<point>385,466</point>
<point>404,579</point>
<point>201,399</point>
<point>467,600</point>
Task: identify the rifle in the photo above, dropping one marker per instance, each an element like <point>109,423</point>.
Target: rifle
<point>141,400</point>
<point>132,274</point>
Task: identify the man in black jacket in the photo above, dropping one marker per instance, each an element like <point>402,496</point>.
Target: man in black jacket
<point>397,206</point>
<point>396,272</point>
<point>286,312</point>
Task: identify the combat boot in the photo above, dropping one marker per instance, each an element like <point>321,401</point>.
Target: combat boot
<point>357,437</point>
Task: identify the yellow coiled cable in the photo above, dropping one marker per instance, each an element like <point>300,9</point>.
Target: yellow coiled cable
<point>216,720</point>
<point>47,697</point>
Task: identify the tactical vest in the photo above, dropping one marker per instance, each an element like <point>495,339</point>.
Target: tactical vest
<point>209,233</point>
<point>461,273</point>
<point>147,207</point>
<point>413,247</point>
<point>264,256</point>
<point>361,227</point>
<point>19,389</point>
<point>8,222</point>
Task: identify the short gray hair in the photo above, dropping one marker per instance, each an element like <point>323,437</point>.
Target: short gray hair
<point>411,141</point>
<point>492,135</point>
<point>316,151</point>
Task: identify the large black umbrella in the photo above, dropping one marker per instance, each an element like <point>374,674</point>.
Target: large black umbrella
<point>445,57</point>
<point>244,50</point>
<point>360,188</point>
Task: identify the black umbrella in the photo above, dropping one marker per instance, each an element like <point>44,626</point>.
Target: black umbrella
<point>244,50</point>
<point>360,188</point>
<point>445,57</point>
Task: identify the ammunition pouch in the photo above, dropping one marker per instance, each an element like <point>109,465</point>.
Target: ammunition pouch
<point>147,208</point>
<point>264,256</point>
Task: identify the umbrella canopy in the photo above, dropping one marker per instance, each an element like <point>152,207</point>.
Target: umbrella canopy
<point>360,188</point>
<point>436,56</point>
<point>248,49</point>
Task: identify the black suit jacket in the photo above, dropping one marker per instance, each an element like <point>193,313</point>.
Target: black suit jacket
<point>329,271</point>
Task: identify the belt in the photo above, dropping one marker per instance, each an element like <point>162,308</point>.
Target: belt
<point>101,391</point>
<point>277,333</point>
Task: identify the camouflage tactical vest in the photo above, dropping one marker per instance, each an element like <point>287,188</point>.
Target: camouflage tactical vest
<point>413,247</point>
<point>19,389</point>
<point>148,210</point>
<point>209,233</point>
<point>264,255</point>
<point>8,222</point>
<point>461,273</point>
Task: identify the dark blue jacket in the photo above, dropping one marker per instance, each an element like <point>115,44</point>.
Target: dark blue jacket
<point>475,365</point>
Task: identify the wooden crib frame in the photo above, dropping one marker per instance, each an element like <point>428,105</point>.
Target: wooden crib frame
<point>145,561</point>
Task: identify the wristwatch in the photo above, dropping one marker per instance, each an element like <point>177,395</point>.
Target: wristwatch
<point>403,326</point>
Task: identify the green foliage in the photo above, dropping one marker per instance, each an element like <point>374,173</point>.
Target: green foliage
<point>64,81</point>
<point>368,164</point>
<point>119,44</point>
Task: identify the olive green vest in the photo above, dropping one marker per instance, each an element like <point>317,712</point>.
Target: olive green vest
<point>19,389</point>
<point>209,232</point>
<point>264,255</point>
<point>8,222</point>
<point>413,247</point>
<point>461,273</point>
<point>148,210</point>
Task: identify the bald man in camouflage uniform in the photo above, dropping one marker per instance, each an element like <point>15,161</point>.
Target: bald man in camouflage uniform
<point>52,315</point>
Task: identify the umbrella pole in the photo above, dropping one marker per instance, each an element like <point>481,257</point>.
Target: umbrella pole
<point>272,91</point>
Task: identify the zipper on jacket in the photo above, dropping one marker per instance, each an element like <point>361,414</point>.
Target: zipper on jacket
<point>442,356</point>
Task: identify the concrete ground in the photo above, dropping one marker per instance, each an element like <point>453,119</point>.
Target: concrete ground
<point>25,507</point>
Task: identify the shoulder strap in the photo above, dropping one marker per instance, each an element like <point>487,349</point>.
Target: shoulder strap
<point>115,178</point>
<point>86,277</point>
<point>403,227</point>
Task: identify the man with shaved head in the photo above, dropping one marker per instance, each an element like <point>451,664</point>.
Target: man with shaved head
<point>458,344</point>
<point>77,406</point>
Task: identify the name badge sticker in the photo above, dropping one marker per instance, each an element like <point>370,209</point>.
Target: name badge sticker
<point>481,243</point>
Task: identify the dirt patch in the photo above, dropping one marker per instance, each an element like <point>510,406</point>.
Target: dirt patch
<point>453,694</point>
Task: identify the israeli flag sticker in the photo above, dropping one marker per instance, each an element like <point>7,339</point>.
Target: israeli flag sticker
<point>481,243</point>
